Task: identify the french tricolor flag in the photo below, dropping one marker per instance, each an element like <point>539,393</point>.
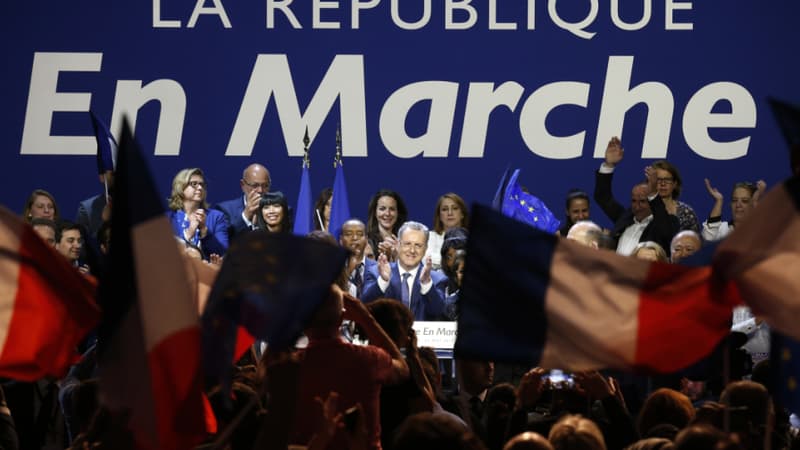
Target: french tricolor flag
<point>46,306</point>
<point>149,339</point>
<point>530,297</point>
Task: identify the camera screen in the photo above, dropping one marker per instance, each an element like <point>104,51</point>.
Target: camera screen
<point>558,379</point>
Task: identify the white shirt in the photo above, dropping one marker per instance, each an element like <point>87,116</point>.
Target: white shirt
<point>435,241</point>
<point>246,219</point>
<point>715,231</point>
<point>630,237</point>
<point>423,287</point>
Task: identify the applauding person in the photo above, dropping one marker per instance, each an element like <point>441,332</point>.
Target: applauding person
<point>646,219</point>
<point>409,280</point>
<point>386,212</point>
<point>743,200</point>
<point>191,219</point>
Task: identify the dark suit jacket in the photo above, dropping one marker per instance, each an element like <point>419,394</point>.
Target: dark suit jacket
<point>660,230</point>
<point>370,271</point>
<point>90,214</point>
<point>430,306</point>
<point>233,212</point>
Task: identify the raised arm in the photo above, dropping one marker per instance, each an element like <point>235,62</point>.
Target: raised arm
<point>356,311</point>
<point>603,195</point>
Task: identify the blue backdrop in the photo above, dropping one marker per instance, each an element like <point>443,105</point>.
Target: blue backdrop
<point>432,95</point>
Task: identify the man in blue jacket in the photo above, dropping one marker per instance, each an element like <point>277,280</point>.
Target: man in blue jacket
<point>241,211</point>
<point>408,280</point>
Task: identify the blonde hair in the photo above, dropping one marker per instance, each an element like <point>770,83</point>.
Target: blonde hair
<point>438,226</point>
<point>26,212</point>
<point>661,255</point>
<point>575,432</point>
<point>179,184</point>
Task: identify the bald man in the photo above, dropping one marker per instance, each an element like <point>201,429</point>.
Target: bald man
<point>684,244</point>
<point>586,233</point>
<point>241,211</point>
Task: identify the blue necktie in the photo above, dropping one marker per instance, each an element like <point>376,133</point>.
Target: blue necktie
<point>406,298</point>
<point>357,279</point>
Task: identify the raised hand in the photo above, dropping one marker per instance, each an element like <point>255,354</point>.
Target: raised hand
<point>614,152</point>
<point>594,384</point>
<point>530,387</point>
<point>384,269</point>
<point>761,186</point>
<point>200,218</point>
<point>353,309</point>
<point>652,179</point>
<point>215,259</point>
<point>425,276</point>
<point>714,192</point>
<point>388,247</point>
<point>716,210</point>
<point>251,208</point>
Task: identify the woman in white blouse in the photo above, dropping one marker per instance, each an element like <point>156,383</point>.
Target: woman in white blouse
<point>743,199</point>
<point>451,212</point>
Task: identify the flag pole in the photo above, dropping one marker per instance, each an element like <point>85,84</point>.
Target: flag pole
<point>306,141</point>
<point>105,185</point>
<point>319,219</point>
<point>337,159</point>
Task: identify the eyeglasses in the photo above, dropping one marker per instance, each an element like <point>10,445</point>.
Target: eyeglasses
<point>264,186</point>
<point>409,245</point>
<point>195,184</point>
<point>664,180</point>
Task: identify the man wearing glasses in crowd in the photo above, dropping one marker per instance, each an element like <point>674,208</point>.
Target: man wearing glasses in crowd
<point>241,211</point>
<point>408,280</point>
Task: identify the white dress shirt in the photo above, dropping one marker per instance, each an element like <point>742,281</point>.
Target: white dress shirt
<point>631,236</point>
<point>423,287</point>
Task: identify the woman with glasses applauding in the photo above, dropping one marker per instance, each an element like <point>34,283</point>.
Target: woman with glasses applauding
<point>663,178</point>
<point>192,221</point>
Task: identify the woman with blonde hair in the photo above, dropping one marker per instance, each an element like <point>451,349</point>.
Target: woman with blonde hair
<point>650,251</point>
<point>191,219</point>
<point>451,212</point>
<point>575,432</point>
<point>40,205</point>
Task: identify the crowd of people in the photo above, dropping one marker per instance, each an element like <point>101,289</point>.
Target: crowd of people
<point>394,394</point>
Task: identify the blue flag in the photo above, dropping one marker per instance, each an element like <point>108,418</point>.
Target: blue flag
<point>106,146</point>
<point>304,211</point>
<point>497,201</point>
<point>526,208</point>
<point>340,207</point>
<point>270,284</point>
<point>785,359</point>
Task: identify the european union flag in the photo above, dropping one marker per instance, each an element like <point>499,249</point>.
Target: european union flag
<point>269,283</point>
<point>785,359</point>
<point>526,208</point>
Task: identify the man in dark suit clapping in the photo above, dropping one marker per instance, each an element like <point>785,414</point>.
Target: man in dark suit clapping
<point>408,280</point>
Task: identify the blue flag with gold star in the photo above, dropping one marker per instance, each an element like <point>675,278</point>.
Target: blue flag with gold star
<point>785,356</point>
<point>526,208</point>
